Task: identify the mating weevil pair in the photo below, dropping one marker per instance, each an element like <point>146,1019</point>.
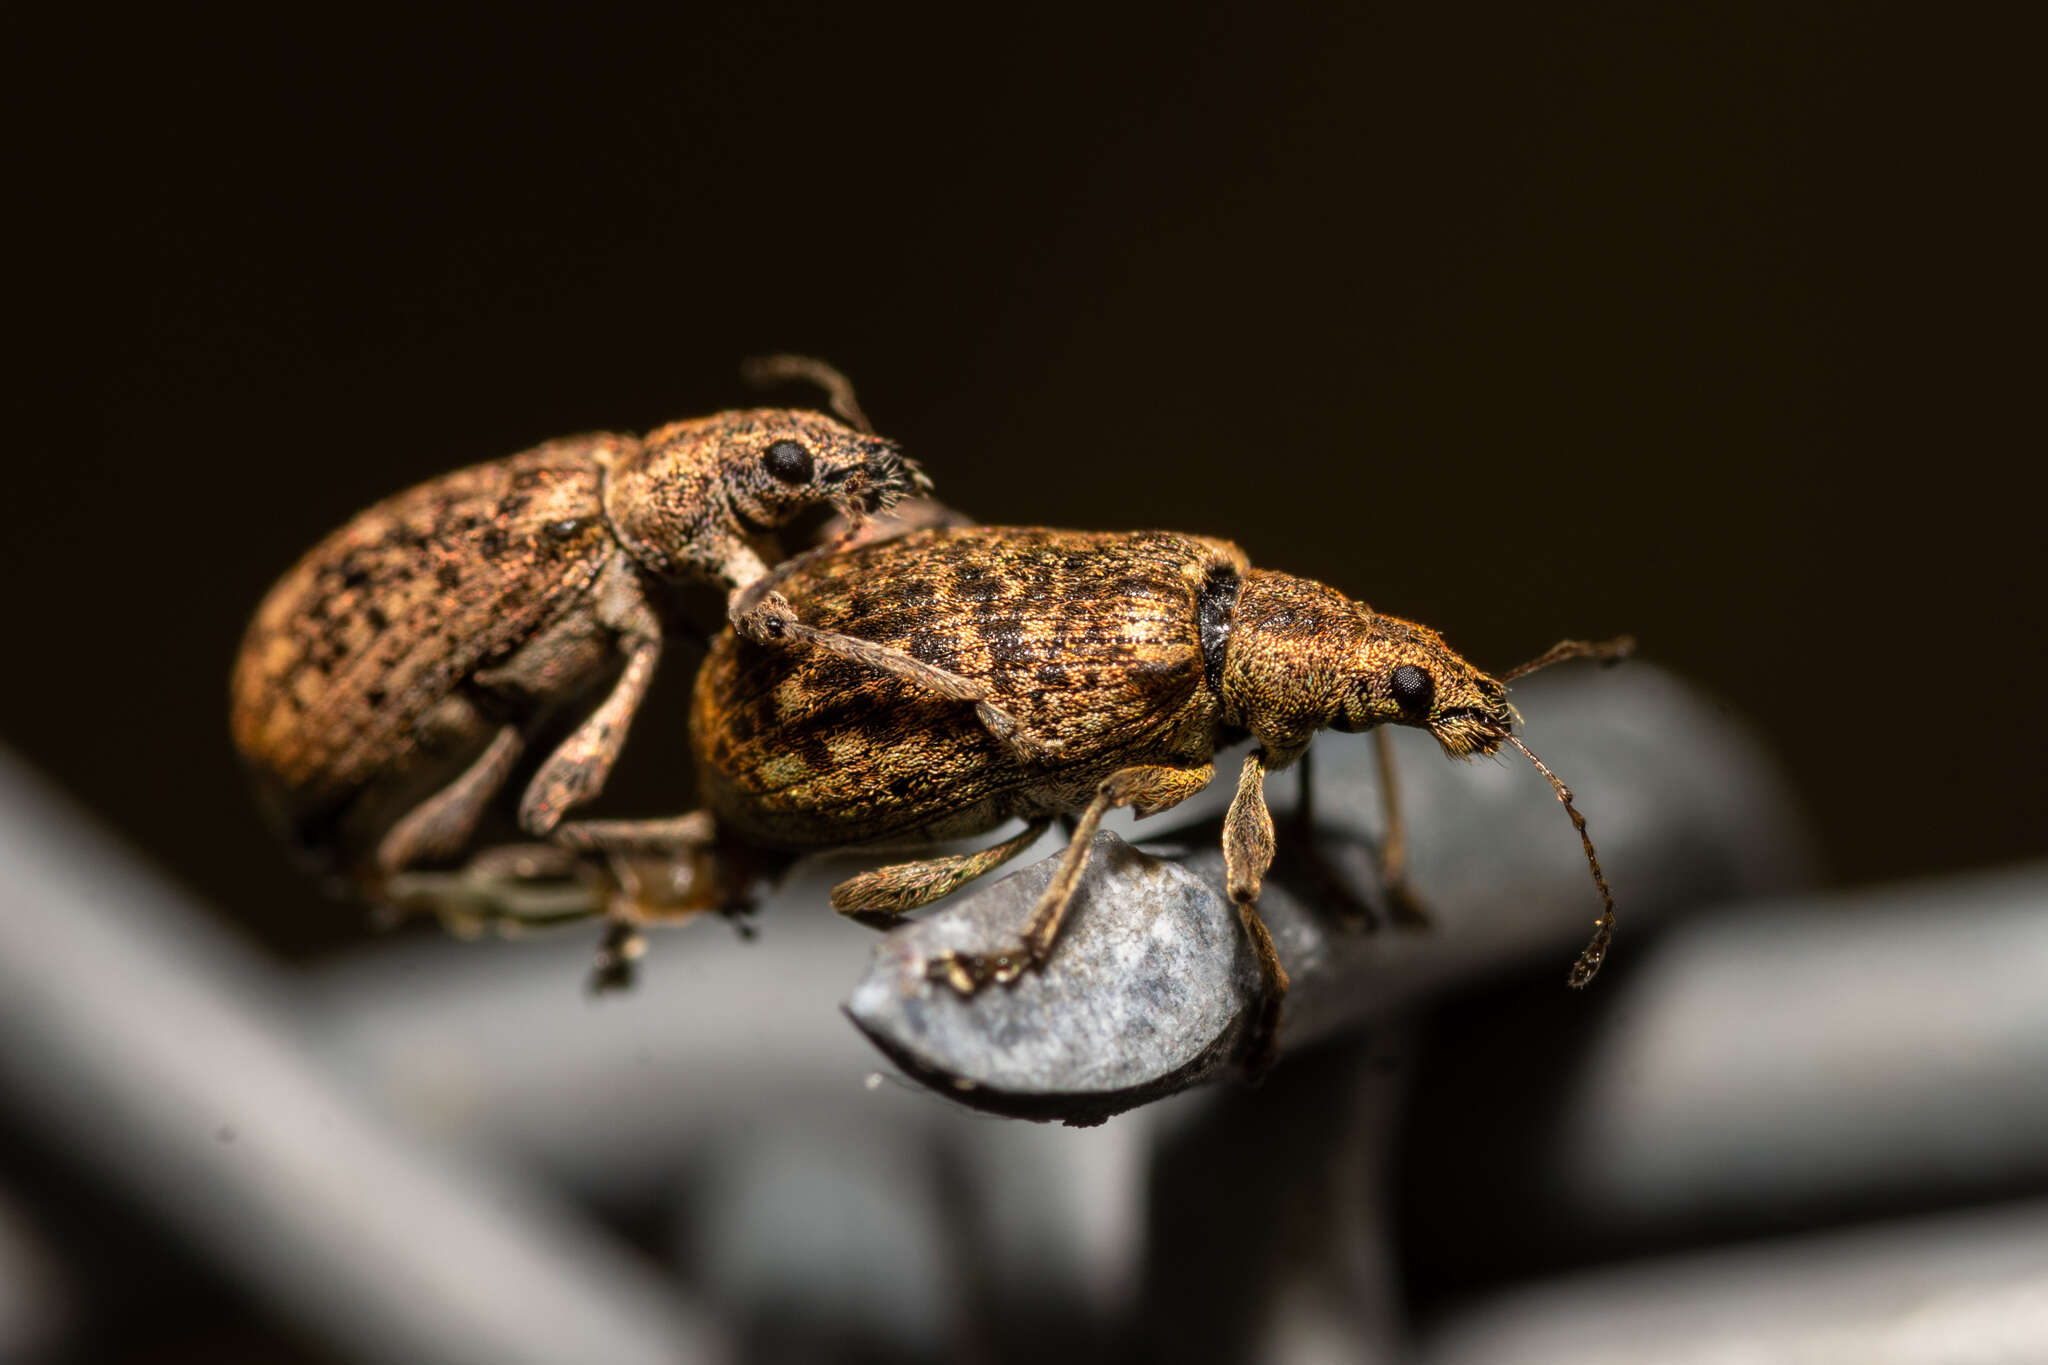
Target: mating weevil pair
<point>392,682</point>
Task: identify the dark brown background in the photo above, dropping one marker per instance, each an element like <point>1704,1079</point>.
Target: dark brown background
<point>1721,327</point>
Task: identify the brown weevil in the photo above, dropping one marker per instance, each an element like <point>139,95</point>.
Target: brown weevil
<point>1136,657</point>
<point>391,682</point>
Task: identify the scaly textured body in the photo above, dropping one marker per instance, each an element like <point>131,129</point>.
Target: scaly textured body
<point>1092,640</point>
<point>392,681</point>
<point>1131,659</point>
<point>384,618</point>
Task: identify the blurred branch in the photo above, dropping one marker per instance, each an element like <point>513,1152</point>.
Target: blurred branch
<point>176,1062</point>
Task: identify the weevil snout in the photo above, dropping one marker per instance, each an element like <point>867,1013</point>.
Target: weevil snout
<point>874,480</point>
<point>786,461</point>
<point>1404,674</point>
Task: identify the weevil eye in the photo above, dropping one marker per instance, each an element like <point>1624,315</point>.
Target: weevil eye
<point>1414,690</point>
<point>789,462</point>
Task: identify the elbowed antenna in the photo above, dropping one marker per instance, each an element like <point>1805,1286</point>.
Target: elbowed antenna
<point>1606,651</point>
<point>764,371</point>
<point>1595,951</point>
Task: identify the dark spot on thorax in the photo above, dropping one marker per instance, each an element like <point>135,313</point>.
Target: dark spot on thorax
<point>1215,606</point>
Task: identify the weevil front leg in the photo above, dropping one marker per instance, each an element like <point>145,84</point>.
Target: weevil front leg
<point>576,771</point>
<point>1403,905</point>
<point>1148,788</point>
<point>763,615</point>
<point>1247,854</point>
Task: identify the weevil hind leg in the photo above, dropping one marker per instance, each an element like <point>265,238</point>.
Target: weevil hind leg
<point>440,826</point>
<point>878,898</point>
<point>1148,788</point>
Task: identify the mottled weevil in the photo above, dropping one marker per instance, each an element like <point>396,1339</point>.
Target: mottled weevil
<point>1133,657</point>
<point>391,682</point>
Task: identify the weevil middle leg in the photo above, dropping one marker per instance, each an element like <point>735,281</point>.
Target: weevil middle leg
<point>1335,884</point>
<point>903,887</point>
<point>1403,905</point>
<point>1247,854</point>
<point>1147,788</point>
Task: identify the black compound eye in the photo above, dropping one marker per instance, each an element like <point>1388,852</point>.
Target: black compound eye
<point>789,462</point>
<point>1414,690</point>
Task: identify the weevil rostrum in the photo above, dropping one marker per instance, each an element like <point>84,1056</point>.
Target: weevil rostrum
<point>1132,658</point>
<point>391,682</point>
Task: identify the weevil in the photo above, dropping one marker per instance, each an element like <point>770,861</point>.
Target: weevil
<point>392,682</point>
<point>1136,656</point>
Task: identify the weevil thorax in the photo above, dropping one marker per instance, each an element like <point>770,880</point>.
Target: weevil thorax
<point>679,499</point>
<point>1302,657</point>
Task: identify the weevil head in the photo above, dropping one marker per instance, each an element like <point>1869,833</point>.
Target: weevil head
<point>774,463</point>
<point>1404,674</point>
<point>1303,657</point>
<point>695,484</point>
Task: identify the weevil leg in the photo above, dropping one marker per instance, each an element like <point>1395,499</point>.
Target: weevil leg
<point>1247,853</point>
<point>667,835</point>
<point>1149,788</point>
<point>508,888</point>
<point>682,847</point>
<point>770,618</point>
<point>439,826</point>
<point>1403,905</point>
<point>575,772</point>
<point>902,887</point>
<point>675,873</point>
<point>761,614</point>
<point>1330,883</point>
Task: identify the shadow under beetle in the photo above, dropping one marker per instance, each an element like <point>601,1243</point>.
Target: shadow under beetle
<point>393,680</point>
<point>1130,658</point>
